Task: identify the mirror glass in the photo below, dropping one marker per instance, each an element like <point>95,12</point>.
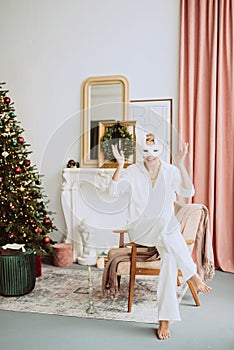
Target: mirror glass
<point>103,99</point>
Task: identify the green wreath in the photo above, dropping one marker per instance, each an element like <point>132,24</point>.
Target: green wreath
<point>117,134</point>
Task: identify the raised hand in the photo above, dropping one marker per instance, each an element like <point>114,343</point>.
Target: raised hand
<point>182,154</point>
<point>119,156</point>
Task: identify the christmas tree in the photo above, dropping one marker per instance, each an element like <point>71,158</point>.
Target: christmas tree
<point>24,218</point>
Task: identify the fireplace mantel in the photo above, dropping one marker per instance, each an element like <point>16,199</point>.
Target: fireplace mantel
<point>86,202</point>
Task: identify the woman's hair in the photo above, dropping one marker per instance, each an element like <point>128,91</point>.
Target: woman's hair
<point>150,137</point>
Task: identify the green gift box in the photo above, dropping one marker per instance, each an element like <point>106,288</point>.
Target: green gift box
<point>17,272</point>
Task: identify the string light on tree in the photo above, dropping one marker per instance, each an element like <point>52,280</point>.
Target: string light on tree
<point>5,154</point>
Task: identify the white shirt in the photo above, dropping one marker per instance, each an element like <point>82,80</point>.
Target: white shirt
<point>150,209</point>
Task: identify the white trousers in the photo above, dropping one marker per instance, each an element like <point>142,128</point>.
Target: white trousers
<point>174,255</point>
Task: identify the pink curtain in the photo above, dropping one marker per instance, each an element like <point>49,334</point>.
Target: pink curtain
<point>206,113</point>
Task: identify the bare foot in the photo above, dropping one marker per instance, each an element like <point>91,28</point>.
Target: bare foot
<point>163,331</point>
<point>199,284</point>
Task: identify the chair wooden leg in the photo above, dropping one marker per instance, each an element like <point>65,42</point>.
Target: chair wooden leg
<point>132,278</point>
<point>118,280</point>
<point>194,293</point>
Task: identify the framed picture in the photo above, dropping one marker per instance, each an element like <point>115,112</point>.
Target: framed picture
<point>153,115</point>
<point>120,133</point>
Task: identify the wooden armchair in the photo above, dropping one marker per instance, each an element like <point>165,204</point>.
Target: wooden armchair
<point>135,267</point>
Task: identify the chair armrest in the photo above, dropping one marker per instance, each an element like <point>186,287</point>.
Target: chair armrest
<point>120,231</point>
<point>132,244</point>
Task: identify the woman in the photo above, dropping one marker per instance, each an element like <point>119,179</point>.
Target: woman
<point>153,186</point>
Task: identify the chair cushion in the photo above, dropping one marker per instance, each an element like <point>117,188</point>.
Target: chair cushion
<point>115,251</point>
<point>124,267</point>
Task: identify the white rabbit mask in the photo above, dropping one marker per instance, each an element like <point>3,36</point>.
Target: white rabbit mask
<point>154,150</point>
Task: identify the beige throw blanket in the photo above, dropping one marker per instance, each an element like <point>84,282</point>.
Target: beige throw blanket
<point>203,250</point>
<point>109,278</point>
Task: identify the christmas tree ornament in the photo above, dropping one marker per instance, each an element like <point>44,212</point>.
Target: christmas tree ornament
<point>1,99</point>
<point>27,162</point>
<point>46,239</point>
<point>12,115</point>
<point>20,139</point>
<point>11,235</point>
<point>37,214</point>
<point>0,179</point>
<point>38,230</point>
<point>47,221</point>
<point>14,143</point>
<point>7,100</point>
<point>16,216</point>
<point>11,188</point>
<point>72,164</point>
<point>11,207</point>
<point>18,170</point>
<point>37,182</point>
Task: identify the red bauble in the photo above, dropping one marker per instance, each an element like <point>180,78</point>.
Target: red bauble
<point>18,170</point>
<point>27,162</point>
<point>11,235</point>
<point>7,99</point>
<point>11,207</point>
<point>46,239</point>
<point>47,221</point>
<point>38,230</point>
<point>20,139</point>
<point>71,162</point>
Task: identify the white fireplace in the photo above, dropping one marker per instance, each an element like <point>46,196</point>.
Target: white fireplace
<point>88,208</point>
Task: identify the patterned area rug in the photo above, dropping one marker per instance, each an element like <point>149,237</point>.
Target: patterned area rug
<point>65,292</point>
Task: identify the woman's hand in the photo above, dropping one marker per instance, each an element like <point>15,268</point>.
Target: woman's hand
<point>182,154</point>
<point>119,156</point>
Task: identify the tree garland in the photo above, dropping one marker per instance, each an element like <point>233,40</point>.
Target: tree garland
<point>117,134</point>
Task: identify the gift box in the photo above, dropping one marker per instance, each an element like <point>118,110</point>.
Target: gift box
<point>62,254</point>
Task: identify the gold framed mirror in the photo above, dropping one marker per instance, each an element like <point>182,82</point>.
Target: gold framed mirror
<point>104,99</point>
